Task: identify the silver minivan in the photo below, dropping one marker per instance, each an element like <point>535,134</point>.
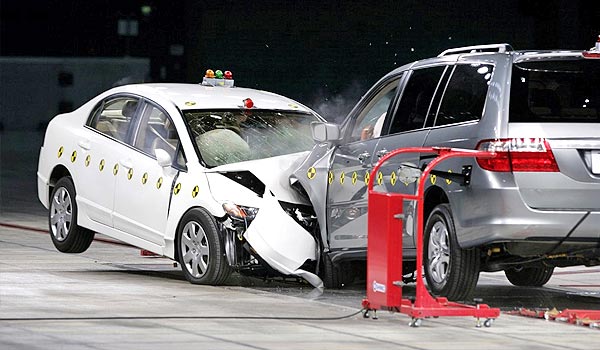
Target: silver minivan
<point>534,207</point>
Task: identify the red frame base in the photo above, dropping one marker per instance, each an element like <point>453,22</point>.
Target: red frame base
<point>384,249</point>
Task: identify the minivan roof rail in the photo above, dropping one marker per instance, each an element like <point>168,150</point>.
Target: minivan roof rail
<point>478,48</point>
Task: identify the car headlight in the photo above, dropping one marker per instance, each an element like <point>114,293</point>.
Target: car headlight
<point>239,211</point>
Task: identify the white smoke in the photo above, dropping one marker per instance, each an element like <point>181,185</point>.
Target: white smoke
<point>335,107</point>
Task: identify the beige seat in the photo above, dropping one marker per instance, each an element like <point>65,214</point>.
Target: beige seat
<point>107,128</point>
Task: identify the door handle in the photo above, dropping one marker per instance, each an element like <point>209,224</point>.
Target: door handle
<point>382,152</point>
<point>85,144</point>
<point>126,163</point>
<point>363,157</point>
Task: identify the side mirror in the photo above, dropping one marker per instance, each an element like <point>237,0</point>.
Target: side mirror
<point>163,158</point>
<point>325,132</point>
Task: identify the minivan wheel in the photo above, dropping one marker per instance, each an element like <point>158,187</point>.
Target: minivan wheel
<point>66,235</point>
<point>450,271</point>
<point>200,249</point>
<point>335,276</point>
<point>535,276</point>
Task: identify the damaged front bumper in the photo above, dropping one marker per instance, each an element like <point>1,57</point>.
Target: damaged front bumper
<point>281,242</point>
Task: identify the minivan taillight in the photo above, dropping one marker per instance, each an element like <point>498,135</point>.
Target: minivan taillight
<point>518,154</point>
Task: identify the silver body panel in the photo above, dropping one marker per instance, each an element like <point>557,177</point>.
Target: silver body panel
<point>497,206</point>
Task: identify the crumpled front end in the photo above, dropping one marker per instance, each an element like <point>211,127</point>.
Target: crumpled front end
<point>282,242</point>
<point>266,217</point>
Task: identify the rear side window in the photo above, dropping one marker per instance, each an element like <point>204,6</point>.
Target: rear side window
<point>465,95</point>
<point>416,99</point>
<point>114,116</point>
<point>564,91</point>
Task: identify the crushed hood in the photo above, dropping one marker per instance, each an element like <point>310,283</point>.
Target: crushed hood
<point>238,181</point>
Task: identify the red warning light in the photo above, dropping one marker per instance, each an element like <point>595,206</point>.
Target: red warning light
<point>228,75</point>
<point>248,103</point>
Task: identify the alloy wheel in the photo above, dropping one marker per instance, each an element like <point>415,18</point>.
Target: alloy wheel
<point>195,249</point>
<point>61,214</point>
<point>439,252</point>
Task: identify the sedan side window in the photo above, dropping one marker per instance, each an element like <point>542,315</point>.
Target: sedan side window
<point>416,99</point>
<point>465,96</point>
<point>114,116</point>
<point>156,131</point>
<point>369,122</point>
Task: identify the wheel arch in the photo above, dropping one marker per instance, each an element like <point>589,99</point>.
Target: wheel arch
<point>178,227</point>
<point>434,196</point>
<point>57,173</point>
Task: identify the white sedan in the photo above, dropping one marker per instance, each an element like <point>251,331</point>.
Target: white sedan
<point>196,173</point>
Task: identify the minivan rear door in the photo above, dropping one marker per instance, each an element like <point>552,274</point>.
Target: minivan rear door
<point>558,100</point>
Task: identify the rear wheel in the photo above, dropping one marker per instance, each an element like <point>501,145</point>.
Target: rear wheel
<point>66,235</point>
<point>529,276</point>
<point>200,249</point>
<point>450,271</point>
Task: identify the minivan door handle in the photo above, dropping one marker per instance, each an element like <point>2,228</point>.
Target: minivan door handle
<point>364,157</point>
<point>381,153</point>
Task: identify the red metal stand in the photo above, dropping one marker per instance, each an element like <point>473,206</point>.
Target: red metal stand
<point>384,251</point>
<point>144,252</point>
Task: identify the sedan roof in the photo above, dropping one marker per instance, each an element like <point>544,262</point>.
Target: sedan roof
<point>197,96</point>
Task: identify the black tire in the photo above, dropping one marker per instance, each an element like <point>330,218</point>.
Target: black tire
<point>335,276</point>
<point>535,276</point>
<point>450,271</point>
<point>67,236</point>
<point>200,249</point>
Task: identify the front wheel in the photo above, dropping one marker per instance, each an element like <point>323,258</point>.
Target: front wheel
<point>66,235</point>
<point>450,270</point>
<point>335,276</point>
<point>200,249</point>
<point>535,276</point>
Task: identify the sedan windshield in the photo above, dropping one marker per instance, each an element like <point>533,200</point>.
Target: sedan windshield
<point>230,136</point>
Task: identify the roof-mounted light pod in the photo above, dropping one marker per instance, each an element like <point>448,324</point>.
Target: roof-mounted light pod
<point>218,78</point>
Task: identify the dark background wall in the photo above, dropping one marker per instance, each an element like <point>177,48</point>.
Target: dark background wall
<point>322,53</point>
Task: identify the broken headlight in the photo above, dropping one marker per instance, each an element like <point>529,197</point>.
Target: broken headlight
<point>239,212</point>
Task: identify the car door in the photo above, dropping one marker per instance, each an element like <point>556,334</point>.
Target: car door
<point>143,187</point>
<point>407,129</point>
<point>103,139</point>
<point>350,166</point>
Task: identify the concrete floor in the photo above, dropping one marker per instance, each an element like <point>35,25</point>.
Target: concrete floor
<point>110,297</point>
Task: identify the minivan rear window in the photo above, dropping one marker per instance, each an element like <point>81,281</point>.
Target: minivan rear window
<point>556,91</point>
